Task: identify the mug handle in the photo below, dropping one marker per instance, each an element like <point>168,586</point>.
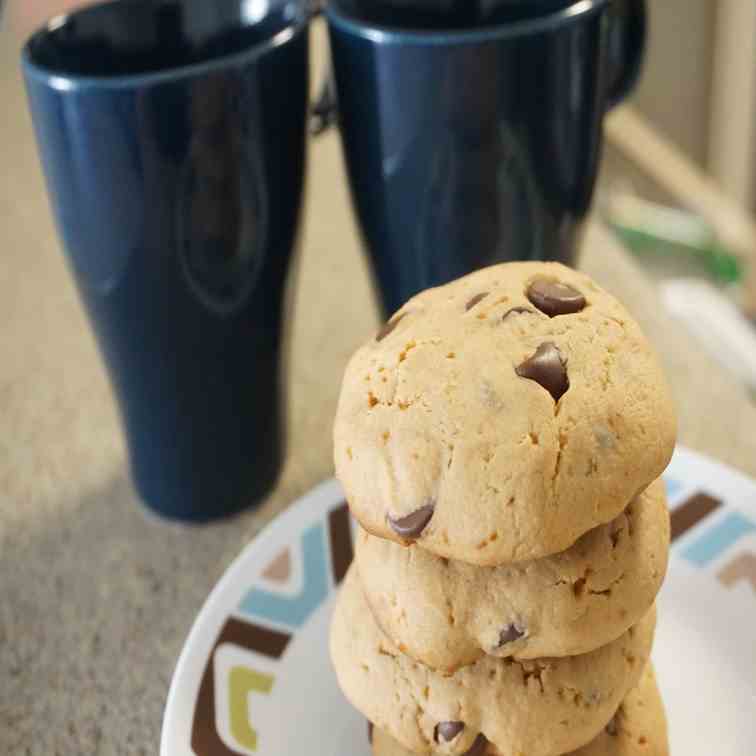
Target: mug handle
<point>324,112</point>
<point>627,45</point>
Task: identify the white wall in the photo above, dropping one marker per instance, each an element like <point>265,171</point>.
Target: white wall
<point>675,86</point>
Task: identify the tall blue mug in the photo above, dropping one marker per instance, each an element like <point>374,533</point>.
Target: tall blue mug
<point>172,135</point>
<point>472,129</point>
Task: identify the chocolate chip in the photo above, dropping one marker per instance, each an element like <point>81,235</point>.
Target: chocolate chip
<point>370,732</point>
<point>412,525</point>
<point>478,748</point>
<point>555,298</point>
<point>548,368</point>
<point>389,327</point>
<point>611,728</point>
<point>477,298</point>
<point>510,634</point>
<point>517,311</point>
<point>446,731</point>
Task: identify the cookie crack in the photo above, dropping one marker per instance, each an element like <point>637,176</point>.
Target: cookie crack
<point>575,697</point>
<point>419,709</point>
<point>614,537</point>
<point>451,456</point>
<point>383,651</point>
<point>530,669</point>
<point>581,586</point>
<point>608,590</point>
<point>536,674</point>
<point>408,347</point>
<point>620,323</point>
<point>562,440</point>
<point>450,614</point>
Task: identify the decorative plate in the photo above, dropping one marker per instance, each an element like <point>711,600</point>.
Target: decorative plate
<point>254,677</point>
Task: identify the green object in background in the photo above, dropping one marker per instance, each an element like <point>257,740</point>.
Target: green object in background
<point>646,228</point>
<point>720,264</point>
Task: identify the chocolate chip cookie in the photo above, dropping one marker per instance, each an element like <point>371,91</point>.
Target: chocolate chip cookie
<point>447,613</point>
<point>499,418</point>
<point>639,728</point>
<point>540,707</point>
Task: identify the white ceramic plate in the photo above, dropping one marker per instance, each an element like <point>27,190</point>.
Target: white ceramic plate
<point>254,676</point>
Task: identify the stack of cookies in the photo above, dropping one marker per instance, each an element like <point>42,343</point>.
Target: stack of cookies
<point>500,442</point>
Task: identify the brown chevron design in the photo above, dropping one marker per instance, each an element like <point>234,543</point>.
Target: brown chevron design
<point>691,512</point>
<point>205,738</point>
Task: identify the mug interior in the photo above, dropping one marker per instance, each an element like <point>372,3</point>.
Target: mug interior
<point>448,15</point>
<point>144,36</point>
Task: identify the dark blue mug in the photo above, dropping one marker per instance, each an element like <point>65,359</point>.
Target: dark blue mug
<point>472,129</point>
<point>172,135</point>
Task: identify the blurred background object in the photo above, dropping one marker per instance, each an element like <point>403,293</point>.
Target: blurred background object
<point>699,87</point>
<point>681,224</point>
<point>24,16</point>
<point>678,182</point>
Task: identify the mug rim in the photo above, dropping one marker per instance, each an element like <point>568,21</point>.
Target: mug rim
<point>65,81</point>
<point>385,33</point>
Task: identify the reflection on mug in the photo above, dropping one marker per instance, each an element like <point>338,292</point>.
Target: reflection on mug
<point>222,223</point>
<point>480,178</point>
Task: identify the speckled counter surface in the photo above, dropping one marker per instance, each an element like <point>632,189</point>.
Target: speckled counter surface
<point>96,596</point>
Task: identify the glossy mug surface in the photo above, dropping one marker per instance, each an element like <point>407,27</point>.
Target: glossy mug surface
<point>172,136</point>
<point>472,130</point>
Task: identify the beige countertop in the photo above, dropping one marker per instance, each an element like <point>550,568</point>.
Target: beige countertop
<point>97,596</point>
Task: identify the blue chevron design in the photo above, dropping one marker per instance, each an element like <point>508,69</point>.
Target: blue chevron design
<point>293,611</point>
<point>718,538</point>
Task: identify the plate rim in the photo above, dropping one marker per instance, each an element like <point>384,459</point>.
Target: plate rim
<point>322,497</point>
<point>320,494</point>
